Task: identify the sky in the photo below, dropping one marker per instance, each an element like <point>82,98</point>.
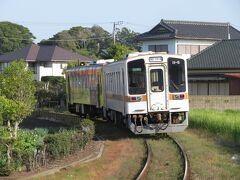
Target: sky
<point>44,18</point>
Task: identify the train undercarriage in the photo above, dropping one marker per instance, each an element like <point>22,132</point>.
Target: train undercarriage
<point>151,123</point>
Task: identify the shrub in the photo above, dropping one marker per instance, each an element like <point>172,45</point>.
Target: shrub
<point>58,144</point>
<point>66,142</point>
<point>88,127</point>
<point>4,169</point>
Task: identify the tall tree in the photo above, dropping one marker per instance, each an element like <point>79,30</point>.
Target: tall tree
<point>84,40</point>
<point>117,51</point>
<point>17,86</point>
<point>13,37</point>
<point>128,38</point>
<point>16,100</point>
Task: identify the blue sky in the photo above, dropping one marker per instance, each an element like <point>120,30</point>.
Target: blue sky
<point>45,18</point>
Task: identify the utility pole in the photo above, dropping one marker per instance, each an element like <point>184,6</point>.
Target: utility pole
<point>114,30</point>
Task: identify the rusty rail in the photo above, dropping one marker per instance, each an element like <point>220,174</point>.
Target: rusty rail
<point>186,174</point>
<point>142,174</point>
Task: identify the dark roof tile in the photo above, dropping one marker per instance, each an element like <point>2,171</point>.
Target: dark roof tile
<point>168,29</point>
<point>43,53</point>
<point>224,54</point>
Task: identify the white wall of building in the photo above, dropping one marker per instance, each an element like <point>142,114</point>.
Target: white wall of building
<point>49,69</point>
<point>173,44</point>
<point>194,42</point>
<point>170,43</point>
<point>56,69</point>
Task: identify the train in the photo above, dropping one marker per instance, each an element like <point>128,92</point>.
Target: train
<point>147,92</point>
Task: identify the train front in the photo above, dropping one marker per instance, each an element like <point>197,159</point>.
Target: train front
<point>158,94</point>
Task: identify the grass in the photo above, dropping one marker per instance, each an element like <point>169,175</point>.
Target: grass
<point>165,160</point>
<point>208,158</point>
<point>224,123</point>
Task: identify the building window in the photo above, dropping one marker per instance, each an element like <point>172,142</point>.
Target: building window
<point>158,48</point>
<point>190,49</point>
<point>46,64</point>
<point>32,67</point>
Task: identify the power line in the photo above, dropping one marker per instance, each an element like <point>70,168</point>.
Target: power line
<point>135,24</point>
<point>60,23</point>
<point>73,39</point>
<point>79,39</point>
<point>115,28</point>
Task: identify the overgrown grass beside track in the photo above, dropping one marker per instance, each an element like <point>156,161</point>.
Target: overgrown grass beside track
<point>224,123</point>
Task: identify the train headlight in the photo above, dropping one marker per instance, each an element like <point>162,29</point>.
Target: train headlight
<point>178,96</point>
<point>135,98</point>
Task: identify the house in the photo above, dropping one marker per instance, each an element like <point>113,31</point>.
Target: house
<point>216,69</point>
<point>185,37</point>
<point>43,60</point>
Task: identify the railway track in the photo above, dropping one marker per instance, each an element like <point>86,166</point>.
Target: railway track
<point>186,172</point>
<point>143,172</point>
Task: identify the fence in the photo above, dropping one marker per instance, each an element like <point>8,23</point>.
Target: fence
<point>215,102</point>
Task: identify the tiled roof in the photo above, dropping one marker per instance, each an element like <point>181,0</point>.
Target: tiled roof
<point>224,54</point>
<point>169,29</point>
<point>42,53</point>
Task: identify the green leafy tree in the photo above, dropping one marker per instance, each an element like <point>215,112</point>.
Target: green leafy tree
<point>17,86</point>
<point>16,100</point>
<point>117,51</point>
<point>128,38</point>
<point>84,40</point>
<point>13,37</point>
<point>62,39</point>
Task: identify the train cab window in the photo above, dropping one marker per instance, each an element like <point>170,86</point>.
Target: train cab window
<point>176,73</point>
<point>137,77</point>
<point>156,76</point>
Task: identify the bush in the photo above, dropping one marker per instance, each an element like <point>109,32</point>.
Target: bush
<point>66,142</point>
<point>4,169</point>
<point>30,146</point>
<point>58,144</point>
<point>88,127</point>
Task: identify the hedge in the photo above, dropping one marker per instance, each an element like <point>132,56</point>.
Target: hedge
<point>34,148</point>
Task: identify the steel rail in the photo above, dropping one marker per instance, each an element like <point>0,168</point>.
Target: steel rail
<point>142,174</point>
<point>186,174</point>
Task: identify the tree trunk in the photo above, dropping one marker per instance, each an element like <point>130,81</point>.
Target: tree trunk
<point>9,154</point>
<point>15,129</point>
<point>10,128</point>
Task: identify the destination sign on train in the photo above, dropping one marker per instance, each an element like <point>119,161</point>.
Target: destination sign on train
<point>156,59</point>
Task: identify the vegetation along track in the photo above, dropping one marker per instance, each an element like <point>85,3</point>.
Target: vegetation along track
<point>146,166</point>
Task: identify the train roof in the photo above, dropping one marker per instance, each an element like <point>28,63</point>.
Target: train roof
<point>141,55</point>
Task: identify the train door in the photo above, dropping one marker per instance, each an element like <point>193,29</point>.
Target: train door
<point>157,96</point>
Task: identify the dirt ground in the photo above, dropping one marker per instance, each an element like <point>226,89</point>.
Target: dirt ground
<point>121,159</point>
